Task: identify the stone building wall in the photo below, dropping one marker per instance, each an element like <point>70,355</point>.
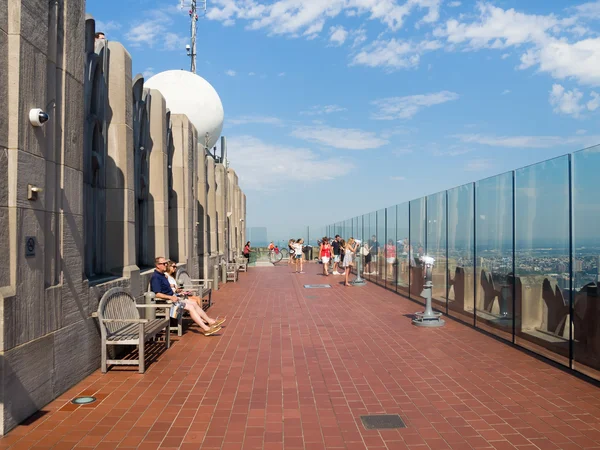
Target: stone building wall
<point>118,181</point>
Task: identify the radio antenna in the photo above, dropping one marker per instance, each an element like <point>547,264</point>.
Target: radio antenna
<point>194,6</point>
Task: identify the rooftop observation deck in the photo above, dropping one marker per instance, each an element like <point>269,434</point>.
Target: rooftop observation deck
<point>295,368</point>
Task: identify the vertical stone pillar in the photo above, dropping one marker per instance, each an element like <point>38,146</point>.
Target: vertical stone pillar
<point>211,201</point>
<point>202,216</point>
<point>5,269</point>
<point>243,214</point>
<point>120,183</point>
<point>158,201</point>
<point>220,181</point>
<point>182,209</point>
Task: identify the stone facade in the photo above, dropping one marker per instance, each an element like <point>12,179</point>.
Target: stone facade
<point>117,180</point>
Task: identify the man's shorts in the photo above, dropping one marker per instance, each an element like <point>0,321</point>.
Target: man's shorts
<point>336,258</point>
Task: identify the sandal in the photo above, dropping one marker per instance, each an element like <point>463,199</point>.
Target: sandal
<point>211,331</point>
<point>218,322</point>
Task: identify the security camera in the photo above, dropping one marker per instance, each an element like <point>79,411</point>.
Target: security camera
<point>241,220</point>
<point>187,47</point>
<point>38,117</point>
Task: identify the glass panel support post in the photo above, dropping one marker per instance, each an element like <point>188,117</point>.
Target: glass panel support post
<point>428,318</point>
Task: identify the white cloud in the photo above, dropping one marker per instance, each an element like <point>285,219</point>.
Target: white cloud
<point>251,74</point>
<point>497,28</point>
<point>580,60</point>
<point>338,35</point>
<point>266,166</point>
<point>146,32</point>
<point>506,91</point>
<point>107,27</point>
<point>580,132</point>
<point>453,151</point>
<point>594,103</point>
<point>321,110</point>
<point>505,55</point>
<point>566,102</point>
<point>527,141</point>
<point>397,178</point>
<point>344,138</point>
<point>261,120</point>
<point>394,54</point>
<point>281,74</point>
<point>148,72</point>
<point>571,102</point>
<point>230,73</point>
<point>478,165</point>
<point>548,40</point>
<point>590,10</point>
<point>403,151</point>
<point>406,107</point>
<point>454,4</point>
<point>307,18</point>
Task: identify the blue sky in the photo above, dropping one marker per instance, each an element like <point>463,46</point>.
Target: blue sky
<point>335,108</point>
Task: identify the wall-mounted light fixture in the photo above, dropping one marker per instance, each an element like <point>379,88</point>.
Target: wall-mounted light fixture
<point>33,191</point>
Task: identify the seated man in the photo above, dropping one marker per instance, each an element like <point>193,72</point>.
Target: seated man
<point>159,284</point>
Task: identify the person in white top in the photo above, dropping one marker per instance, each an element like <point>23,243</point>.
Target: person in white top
<point>350,250</point>
<point>195,302</point>
<point>298,255</point>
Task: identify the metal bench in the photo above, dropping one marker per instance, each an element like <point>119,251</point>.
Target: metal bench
<point>201,286</point>
<point>120,324</point>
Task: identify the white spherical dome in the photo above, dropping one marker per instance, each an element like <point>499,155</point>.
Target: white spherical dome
<point>190,94</point>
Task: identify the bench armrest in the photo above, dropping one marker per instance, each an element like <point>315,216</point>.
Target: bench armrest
<point>153,306</point>
<point>201,280</point>
<point>124,320</point>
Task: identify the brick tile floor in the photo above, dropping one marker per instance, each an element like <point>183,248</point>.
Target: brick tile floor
<point>295,368</point>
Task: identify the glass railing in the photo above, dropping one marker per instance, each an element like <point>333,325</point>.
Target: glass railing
<point>516,254</point>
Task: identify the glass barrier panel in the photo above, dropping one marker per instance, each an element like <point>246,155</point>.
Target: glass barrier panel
<point>461,252</point>
<point>436,247</point>
<point>494,250</point>
<point>391,250</point>
<point>404,255</point>
<point>370,237</point>
<point>417,246</point>
<point>380,263</point>
<point>586,261</point>
<point>542,267</point>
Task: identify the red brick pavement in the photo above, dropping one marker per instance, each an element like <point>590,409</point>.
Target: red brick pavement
<point>295,368</point>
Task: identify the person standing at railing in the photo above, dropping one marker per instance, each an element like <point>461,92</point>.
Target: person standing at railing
<point>247,251</point>
<point>298,255</point>
<point>348,262</point>
<point>336,247</point>
<point>271,249</point>
<point>325,255</point>
<point>291,250</point>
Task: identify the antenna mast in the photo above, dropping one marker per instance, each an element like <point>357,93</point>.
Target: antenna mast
<point>194,5</point>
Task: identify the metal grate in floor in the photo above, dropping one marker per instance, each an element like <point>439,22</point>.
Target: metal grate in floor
<point>317,286</point>
<point>382,421</point>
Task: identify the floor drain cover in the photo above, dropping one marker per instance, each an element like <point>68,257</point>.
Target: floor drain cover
<point>311,296</point>
<point>317,286</point>
<point>83,400</point>
<point>382,421</point>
